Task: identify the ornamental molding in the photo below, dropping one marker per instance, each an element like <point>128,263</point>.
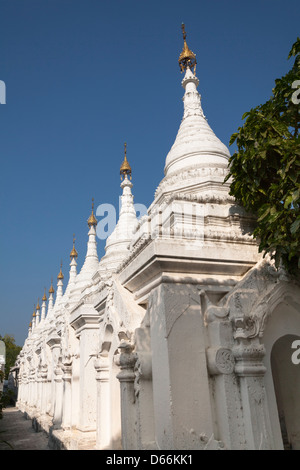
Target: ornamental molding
<point>189,175</point>
<point>53,341</point>
<point>249,356</point>
<point>125,360</point>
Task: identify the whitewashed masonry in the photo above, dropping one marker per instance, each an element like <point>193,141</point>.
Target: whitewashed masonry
<point>180,336</point>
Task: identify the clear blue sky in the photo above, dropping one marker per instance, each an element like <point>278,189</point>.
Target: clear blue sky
<point>83,77</point>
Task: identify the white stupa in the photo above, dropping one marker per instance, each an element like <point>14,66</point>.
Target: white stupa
<point>118,243</point>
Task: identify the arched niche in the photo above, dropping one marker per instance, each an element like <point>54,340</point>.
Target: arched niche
<point>282,377</point>
<point>107,340</point>
<point>286,379</point>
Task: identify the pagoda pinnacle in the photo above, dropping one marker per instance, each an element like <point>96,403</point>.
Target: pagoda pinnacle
<point>125,169</point>
<point>33,318</point>
<point>73,270</point>
<point>59,292</point>
<point>51,300</point>
<point>196,144</point>
<point>91,258</point>
<point>187,58</point>
<point>44,299</point>
<point>43,311</point>
<point>51,290</point>
<point>37,319</point>
<point>92,221</point>
<point>73,253</point>
<point>117,244</point>
<point>60,274</point>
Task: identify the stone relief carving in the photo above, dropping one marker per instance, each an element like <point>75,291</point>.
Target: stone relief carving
<point>250,303</point>
<point>220,361</point>
<point>192,104</point>
<point>210,311</point>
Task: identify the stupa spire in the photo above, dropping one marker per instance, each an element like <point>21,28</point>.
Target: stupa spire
<point>92,245</point>
<point>51,299</point>
<point>33,319</point>
<point>73,269</point>
<point>195,145</point>
<point>37,313</point>
<point>43,310</point>
<point>59,292</point>
<point>116,247</point>
<point>91,258</point>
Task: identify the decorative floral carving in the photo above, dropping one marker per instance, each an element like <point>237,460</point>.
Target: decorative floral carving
<point>220,361</point>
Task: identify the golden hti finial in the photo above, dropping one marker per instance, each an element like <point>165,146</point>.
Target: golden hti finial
<point>92,221</point>
<point>187,58</point>
<point>60,274</point>
<point>51,290</point>
<point>38,305</point>
<point>44,296</point>
<point>73,253</point>
<point>33,315</point>
<point>125,168</point>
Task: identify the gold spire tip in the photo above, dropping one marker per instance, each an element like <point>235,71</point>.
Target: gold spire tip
<point>44,296</point>
<point>183,31</point>
<point>125,169</point>
<point>51,290</point>
<point>92,221</point>
<point>73,253</point>
<point>187,58</point>
<point>60,274</point>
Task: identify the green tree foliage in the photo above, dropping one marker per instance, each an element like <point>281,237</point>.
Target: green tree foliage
<point>265,169</point>
<point>12,351</point>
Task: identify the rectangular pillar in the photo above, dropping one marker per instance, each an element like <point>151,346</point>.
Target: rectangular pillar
<point>181,396</point>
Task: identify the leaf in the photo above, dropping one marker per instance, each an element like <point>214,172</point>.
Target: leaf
<point>233,138</point>
<point>295,48</point>
<point>262,191</point>
<point>295,226</point>
<point>288,201</point>
<point>245,115</point>
<point>264,215</point>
